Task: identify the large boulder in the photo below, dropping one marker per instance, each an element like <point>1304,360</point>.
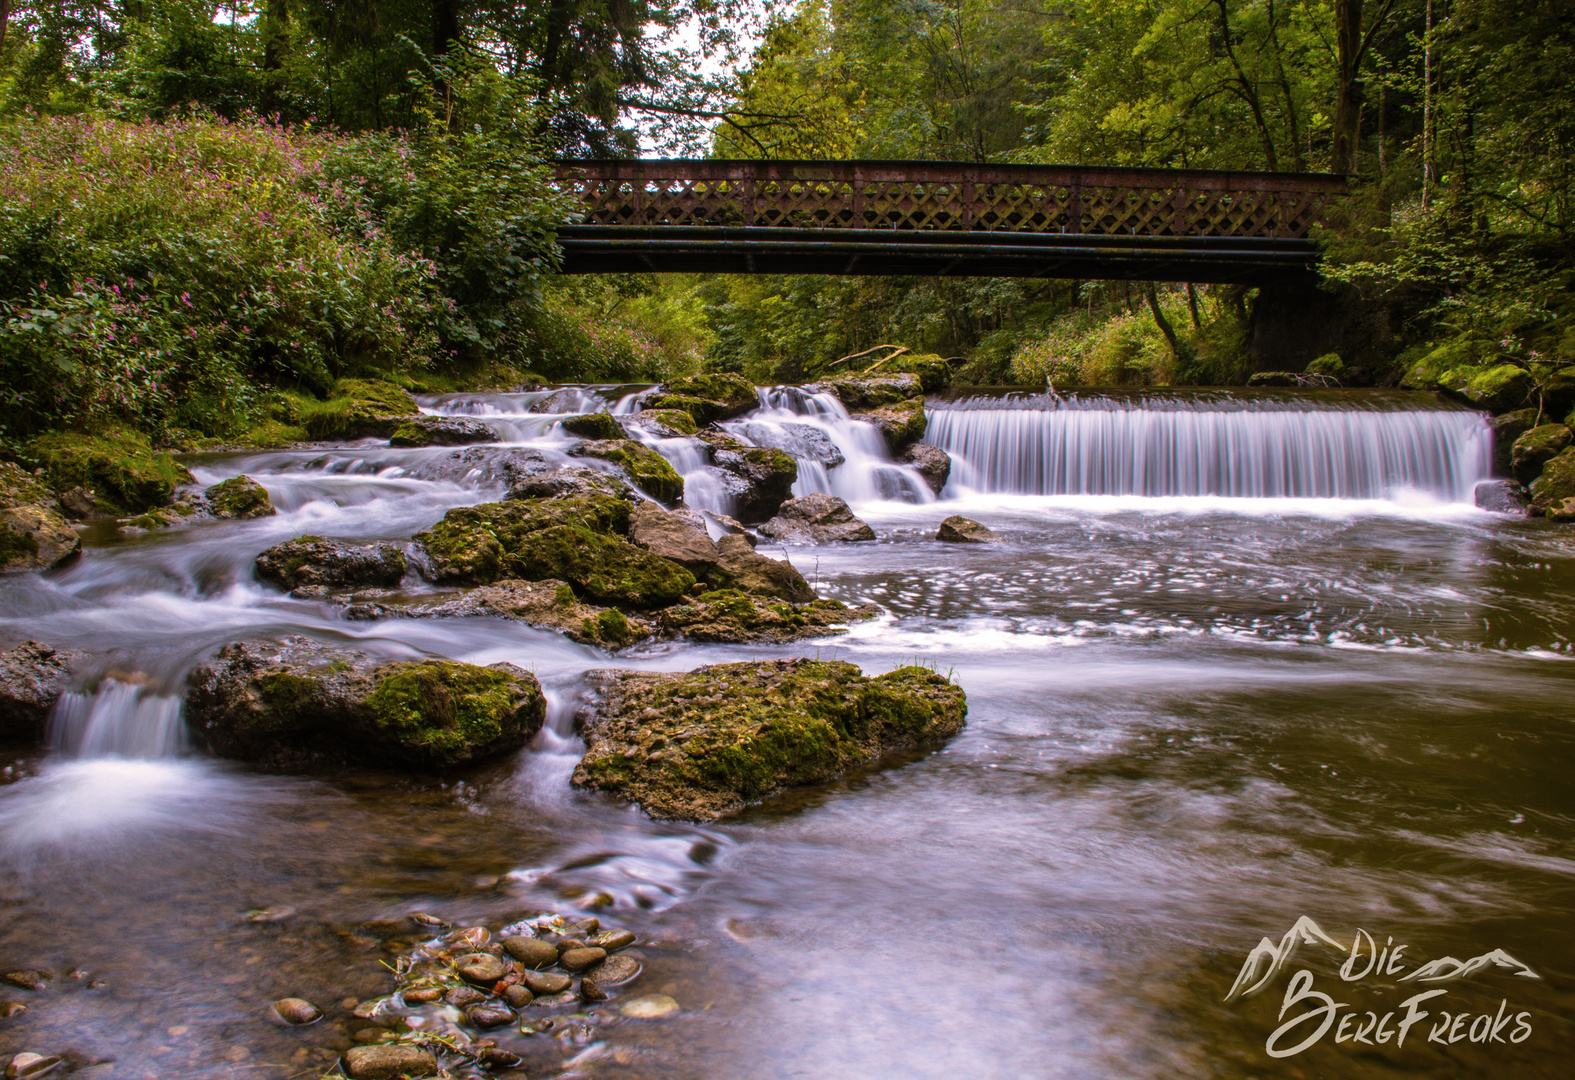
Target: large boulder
<point>441,431</point>
<point>238,497</point>
<point>933,463</point>
<point>34,538</point>
<point>605,568</point>
<point>760,478</point>
<point>862,392</point>
<point>667,422</point>
<point>801,440</point>
<point>1556,484</point>
<point>359,408</point>
<point>816,518</point>
<point>901,423</point>
<point>734,617</point>
<point>303,702</point>
<point>673,536</point>
<point>1507,428</point>
<point>1501,497</point>
<point>32,678</point>
<point>117,471</point>
<point>317,563</point>
<point>695,746</point>
<point>480,544</point>
<point>752,572</point>
<point>1498,389</point>
<point>596,425</point>
<point>1535,449</point>
<point>707,398</point>
<point>649,470</point>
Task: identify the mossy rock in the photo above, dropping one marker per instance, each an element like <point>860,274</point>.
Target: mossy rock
<point>934,373</point>
<point>699,745</point>
<point>547,603</point>
<point>120,468</point>
<point>1556,483</point>
<point>734,395</point>
<point>901,423</point>
<point>18,487</point>
<point>239,497</point>
<point>762,476</point>
<point>35,538</point>
<point>308,703</point>
<point>605,568</point>
<point>1498,389</point>
<point>480,544</point>
<point>860,392</point>
<point>735,617</point>
<point>358,409</point>
<point>441,431</point>
<point>319,563</point>
<point>1328,364</point>
<point>1535,448</point>
<point>648,470</point>
<point>675,419</point>
<point>597,425</point>
<point>700,411</point>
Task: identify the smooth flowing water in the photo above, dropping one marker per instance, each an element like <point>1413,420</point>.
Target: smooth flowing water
<point>1237,662</point>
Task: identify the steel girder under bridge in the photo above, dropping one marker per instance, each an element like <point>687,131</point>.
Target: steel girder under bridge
<point>942,218</point>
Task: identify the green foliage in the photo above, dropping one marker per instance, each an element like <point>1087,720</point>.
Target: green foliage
<point>117,465</point>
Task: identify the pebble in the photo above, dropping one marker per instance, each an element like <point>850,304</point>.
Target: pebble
<point>565,998</point>
<point>28,1065</point>
<point>517,996</point>
<point>480,968</point>
<point>424,995</point>
<point>650,1007</point>
<point>532,952</point>
<point>589,926</point>
<point>9,1009</point>
<point>270,914</point>
<point>370,1035</point>
<point>28,980</point>
<point>546,982</point>
<point>490,1015</point>
<point>462,996</point>
<point>431,922</point>
<point>388,1062</point>
<point>494,1057</point>
<point>296,1011</point>
<point>617,970</point>
<point>471,937</point>
<point>363,1010</point>
<point>590,993</point>
<point>612,940</point>
<point>580,959</point>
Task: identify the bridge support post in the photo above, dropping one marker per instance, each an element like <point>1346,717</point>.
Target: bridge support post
<point>1297,319</point>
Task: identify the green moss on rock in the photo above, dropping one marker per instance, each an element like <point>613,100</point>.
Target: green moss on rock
<point>863,392</point>
<point>357,409</point>
<point>480,544</point>
<point>1498,389</point>
<point>20,488</point>
<point>902,423</point>
<point>1535,448</point>
<point>443,714</point>
<point>1556,483</point>
<point>702,744</point>
<point>648,470</point>
<point>597,425</point>
<point>605,568</point>
<point>239,497</point>
<point>676,419</point>
<point>733,616</point>
<point>934,373</point>
<point>120,468</point>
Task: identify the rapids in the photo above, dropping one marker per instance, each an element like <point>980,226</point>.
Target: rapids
<point>1240,659</point>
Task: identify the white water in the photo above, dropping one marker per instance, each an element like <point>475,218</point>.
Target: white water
<point>1233,449</point>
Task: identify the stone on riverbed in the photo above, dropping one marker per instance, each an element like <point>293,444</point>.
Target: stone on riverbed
<point>32,678</point>
<point>698,745</point>
<point>442,431</point>
<point>532,952</point>
<point>480,544</point>
<point>759,478</point>
<point>306,703</point>
<point>730,616</point>
<point>548,603</point>
<point>754,573</point>
<point>960,530</point>
<point>596,425</point>
<point>707,398</point>
<point>859,393</point>
<point>649,470</point>
<point>296,1011</point>
<point>933,463</point>
<point>316,562</point>
<point>388,1062</point>
<point>902,423</point>
<point>817,518</point>
<point>1556,484</point>
<point>1501,497</point>
<point>34,534</point>
<point>25,1066</point>
<point>239,497</point>
<point>674,537</point>
<point>1535,449</point>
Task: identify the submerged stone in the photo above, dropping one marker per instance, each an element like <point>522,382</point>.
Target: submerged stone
<point>304,703</point>
<point>960,530</point>
<point>698,745</point>
<point>388,1062</point>
<point>296,1011</point>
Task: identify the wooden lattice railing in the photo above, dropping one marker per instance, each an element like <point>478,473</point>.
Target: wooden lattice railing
<point>950,196</point>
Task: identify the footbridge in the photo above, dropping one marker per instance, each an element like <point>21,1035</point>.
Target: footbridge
<point>942,218</point>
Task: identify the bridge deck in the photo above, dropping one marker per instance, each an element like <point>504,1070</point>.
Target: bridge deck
<point>947,218</point>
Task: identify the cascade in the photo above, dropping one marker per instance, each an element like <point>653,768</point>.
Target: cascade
<point>1215,446</point>
<point>117,720</point>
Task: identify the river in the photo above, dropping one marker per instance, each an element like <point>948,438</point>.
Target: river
<point>1241,659</point>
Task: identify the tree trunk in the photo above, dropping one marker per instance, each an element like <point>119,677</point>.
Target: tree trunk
<point>275,35</point>
<point>1192,306</point>
<point>445,25</point>
<point>1159,320</point>
<point>5,17</point>
<point>1347,90</point>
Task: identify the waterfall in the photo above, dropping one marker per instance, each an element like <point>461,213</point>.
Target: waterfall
<point>1231,447</point>
<point>117,720</point>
